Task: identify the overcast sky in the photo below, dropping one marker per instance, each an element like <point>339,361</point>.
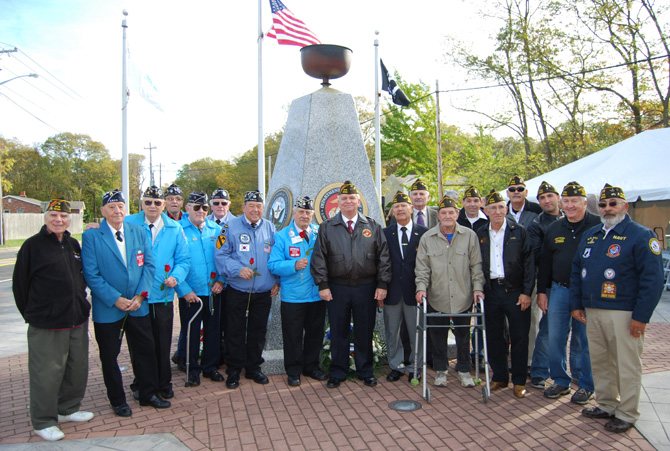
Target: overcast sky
<point>202,56</point>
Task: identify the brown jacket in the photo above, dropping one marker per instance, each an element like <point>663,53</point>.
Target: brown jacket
<point>449,273</point>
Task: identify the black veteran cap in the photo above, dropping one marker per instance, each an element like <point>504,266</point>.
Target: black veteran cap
<point>61,205</point>
<point>573,189</point>
<point>546,188</point>
<point>153,192</point>
<point>112,196</point>
<point>471,192</point>
<point>494,196</point>
<point>197,198</point>
<point>612,192</point>
<point>253,196</point>
<point>220,193</point>
<point>400,197</point>
<point>419,185</point>
<point>349,188</point>
<point>173,190</point>
<point>304,202</point>
<point>447,202</point>
<point>516,180</point>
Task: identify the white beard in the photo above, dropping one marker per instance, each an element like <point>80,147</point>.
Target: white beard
<point>612,221</point>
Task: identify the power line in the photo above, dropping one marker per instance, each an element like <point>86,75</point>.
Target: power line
<point>52,75</point>
<point>48,125</point>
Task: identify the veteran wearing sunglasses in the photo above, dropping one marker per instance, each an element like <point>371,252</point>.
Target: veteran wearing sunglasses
<point>615,285</point>
<point>220,205</point>
<point>521,209</point>
<point>172,259</point>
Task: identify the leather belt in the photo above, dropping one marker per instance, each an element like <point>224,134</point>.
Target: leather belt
<point>500,281</point>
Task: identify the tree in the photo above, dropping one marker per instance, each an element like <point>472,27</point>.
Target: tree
<point>135,180</point>
<point>201,175</point>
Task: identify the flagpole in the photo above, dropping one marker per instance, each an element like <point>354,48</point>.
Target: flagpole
<point>378,147</point>
<point>124,115</point>
<point>261,141</point>
<point>440,187</point>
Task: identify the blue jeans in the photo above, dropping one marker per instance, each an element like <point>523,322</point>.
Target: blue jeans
<point>560,322</point>
<point>539,366</point>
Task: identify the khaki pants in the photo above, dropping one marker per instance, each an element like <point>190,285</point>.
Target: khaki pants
<point>58,370</point>
<point>615,362</point>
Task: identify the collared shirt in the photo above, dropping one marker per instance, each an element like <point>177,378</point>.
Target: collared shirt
<point>415,215</point>
<point>353,221</point>
<point>157,226</point>
<point>480,215</point>
<point>517,214</point>
<point>497,244</point>
<point>251,223</point>
<point>409,234</point>
<point>120,244</point>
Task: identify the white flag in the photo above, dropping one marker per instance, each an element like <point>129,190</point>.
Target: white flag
<point>141,83</point>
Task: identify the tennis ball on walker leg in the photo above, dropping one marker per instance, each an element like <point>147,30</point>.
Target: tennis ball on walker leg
<point>415,382</point>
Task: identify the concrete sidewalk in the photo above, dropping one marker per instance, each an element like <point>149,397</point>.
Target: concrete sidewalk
<point>276,416</point>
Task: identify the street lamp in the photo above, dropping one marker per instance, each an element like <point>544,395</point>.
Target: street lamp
<point>20,76</point>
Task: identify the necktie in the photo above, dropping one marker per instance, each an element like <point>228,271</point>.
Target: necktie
<point>351,229</point>
<point>253,225</point>
<point>419,219</point>
<point>404,240</point>
<point>152,229</point>
<point>151,226</point>
<point>119,236</point>
<point>218,221</point>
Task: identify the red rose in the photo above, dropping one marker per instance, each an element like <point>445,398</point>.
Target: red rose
<point>213,275</point>
<point>144,294</point>
<point>251,262</point>
<point>167,268</point>
<point>303,235</point>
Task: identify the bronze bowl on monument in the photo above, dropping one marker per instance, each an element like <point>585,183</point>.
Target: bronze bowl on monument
<point>325,61</point>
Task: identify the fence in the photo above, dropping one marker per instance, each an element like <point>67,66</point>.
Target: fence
<point>18,226</point>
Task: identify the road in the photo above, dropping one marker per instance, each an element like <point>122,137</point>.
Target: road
<point>12,327</point>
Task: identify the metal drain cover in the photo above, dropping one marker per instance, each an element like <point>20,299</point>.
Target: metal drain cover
<point>405,406</point>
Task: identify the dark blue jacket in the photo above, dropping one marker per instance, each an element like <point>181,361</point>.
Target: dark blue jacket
<point>620,271</point>
<point>402,283</point>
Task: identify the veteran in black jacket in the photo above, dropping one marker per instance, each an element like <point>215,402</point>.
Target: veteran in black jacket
<point>400,305</point>
<point>509,272</point>
<point>50,292</point>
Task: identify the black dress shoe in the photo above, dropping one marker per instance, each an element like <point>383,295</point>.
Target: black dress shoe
<point>215,376</point>
<point>233,381</point>
<point>393,376</point>
<point>166,393</point>
<point>317,375</point>
<point>369,381</point>
<point>179,361</point>
<point>258,377</point>
<point>294,381</point>
<point>618,425</point>
<point>136,395</point>
<point>123,410</point>
<point>156,401</point>
<point>193,380</point>
<point>596,412</point>
<point>333,382</point>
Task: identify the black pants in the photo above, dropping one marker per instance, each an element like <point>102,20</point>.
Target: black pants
<point>501,304</point>
<point>440,344</point>
<point>245,336</point>
<point>161,317</point>
<point>211,336</point>
<point>223,351</point>
<point>140,339</point>
<point>360,302</point>
<point>302,326</point>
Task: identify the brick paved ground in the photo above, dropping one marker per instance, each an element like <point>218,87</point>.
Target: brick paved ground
<point>276,416</point>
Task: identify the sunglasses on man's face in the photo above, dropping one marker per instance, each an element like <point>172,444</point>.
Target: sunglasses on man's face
<point>514,189</point>
<point>612,204</point>
<point>157,202</point>
<point>197,207</point>
<point>219,203</point>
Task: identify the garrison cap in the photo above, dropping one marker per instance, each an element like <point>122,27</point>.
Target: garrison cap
<point>401,197</point>
<point>173,190</point>
<point>253,196</point>
<point>516,180</point>
<point>349,188</point>
<point>471,192</point>
<point>197,198</point>
<point>304,202</point>
<point>419,185</point>
<point>494,196</point>
<point>447,202</point>
<point>153,192</point>
<point>112,196</point>
<point>612,192</point>
<point>220,193</point>
<point>61,205</point>
<point>573,189</point>
<point>545,188</point>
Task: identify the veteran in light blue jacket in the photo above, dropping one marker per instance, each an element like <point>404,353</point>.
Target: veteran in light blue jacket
<point>118,266</point>
<point>303,312</point>
<point>172,259</point>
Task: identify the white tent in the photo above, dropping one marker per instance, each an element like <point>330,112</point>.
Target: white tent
<point>636,165</point>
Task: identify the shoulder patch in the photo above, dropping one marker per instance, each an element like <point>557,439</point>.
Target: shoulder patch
<point>220,241</point>
<point>655,246</point>
<point>559,240</point>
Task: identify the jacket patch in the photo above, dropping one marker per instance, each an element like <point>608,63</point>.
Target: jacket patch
<point>608,291</point>
<point>655,246</point>
<point>559,240</point>
<point>609,274</point>
<point>140,259</point>
<point>367,233</point>
<point>620,238</point>
<point>220,241</point>
<point>591,240</point>
<point>293,251</point>
<point>245,238</point>
<point>587,252</point>
<point>614,251</point>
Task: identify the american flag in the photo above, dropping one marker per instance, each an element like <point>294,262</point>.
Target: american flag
<point>288,29</point>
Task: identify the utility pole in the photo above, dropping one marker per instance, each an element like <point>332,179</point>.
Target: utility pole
<point>151,168</point>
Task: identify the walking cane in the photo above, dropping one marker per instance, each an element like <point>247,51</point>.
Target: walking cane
<point>188,340</point>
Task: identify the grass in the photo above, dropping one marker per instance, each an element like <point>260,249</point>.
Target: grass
<point>19,243</point>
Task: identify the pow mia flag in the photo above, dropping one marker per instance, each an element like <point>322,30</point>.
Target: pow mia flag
<point>389,85</point>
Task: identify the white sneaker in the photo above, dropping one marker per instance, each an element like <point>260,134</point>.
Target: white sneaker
<point>466,379</point>
<point>77,416</point>
<point>440,379</point>
<point>50,434</point>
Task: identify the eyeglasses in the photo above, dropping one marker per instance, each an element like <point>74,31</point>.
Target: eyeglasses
<point>612,204</point>
<point>219,203</point>
<point>514,189</point>
<point>156,202</point>
<point>197,207</point>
